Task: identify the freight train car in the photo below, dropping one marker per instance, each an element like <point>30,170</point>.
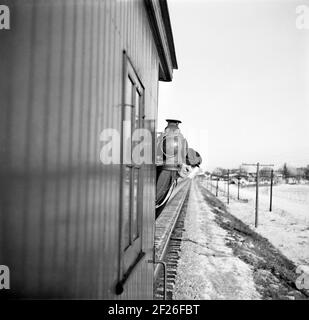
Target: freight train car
<point>75,74</point>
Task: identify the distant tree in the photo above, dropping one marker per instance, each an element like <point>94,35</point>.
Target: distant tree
<point>300,173</point>
<point>285,172</point>
<point>307,172</point>
<point>243,170</point>
<point>234,170</point>
<point>218,171</point>
<point>265,172</point>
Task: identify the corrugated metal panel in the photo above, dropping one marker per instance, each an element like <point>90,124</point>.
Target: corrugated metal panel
<point>61,86</point>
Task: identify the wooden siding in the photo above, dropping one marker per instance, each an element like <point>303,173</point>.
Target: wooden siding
<point>61,84</point>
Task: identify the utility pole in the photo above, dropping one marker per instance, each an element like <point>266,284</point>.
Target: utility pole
<point>228,186</point>
<point>271,190</point>
<point>257,188</point>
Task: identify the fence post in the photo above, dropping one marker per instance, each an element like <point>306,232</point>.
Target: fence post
<point>238,188</point>
<point>271,190</point>
<point>257,195</point>
<point>211,183</point>
<point>228,186</point>
<point>217,186</point>
<point>257,188</point>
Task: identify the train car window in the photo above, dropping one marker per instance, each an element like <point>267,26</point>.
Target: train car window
<point>132,186</point>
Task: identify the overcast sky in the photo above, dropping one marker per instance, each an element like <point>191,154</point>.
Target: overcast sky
<point>242,88</point>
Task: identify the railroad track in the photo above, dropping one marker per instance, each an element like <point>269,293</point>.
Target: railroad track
<point>169,229</point>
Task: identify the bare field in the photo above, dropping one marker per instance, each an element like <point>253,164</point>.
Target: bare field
<point>286,227</point>
<point>298,193</point>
